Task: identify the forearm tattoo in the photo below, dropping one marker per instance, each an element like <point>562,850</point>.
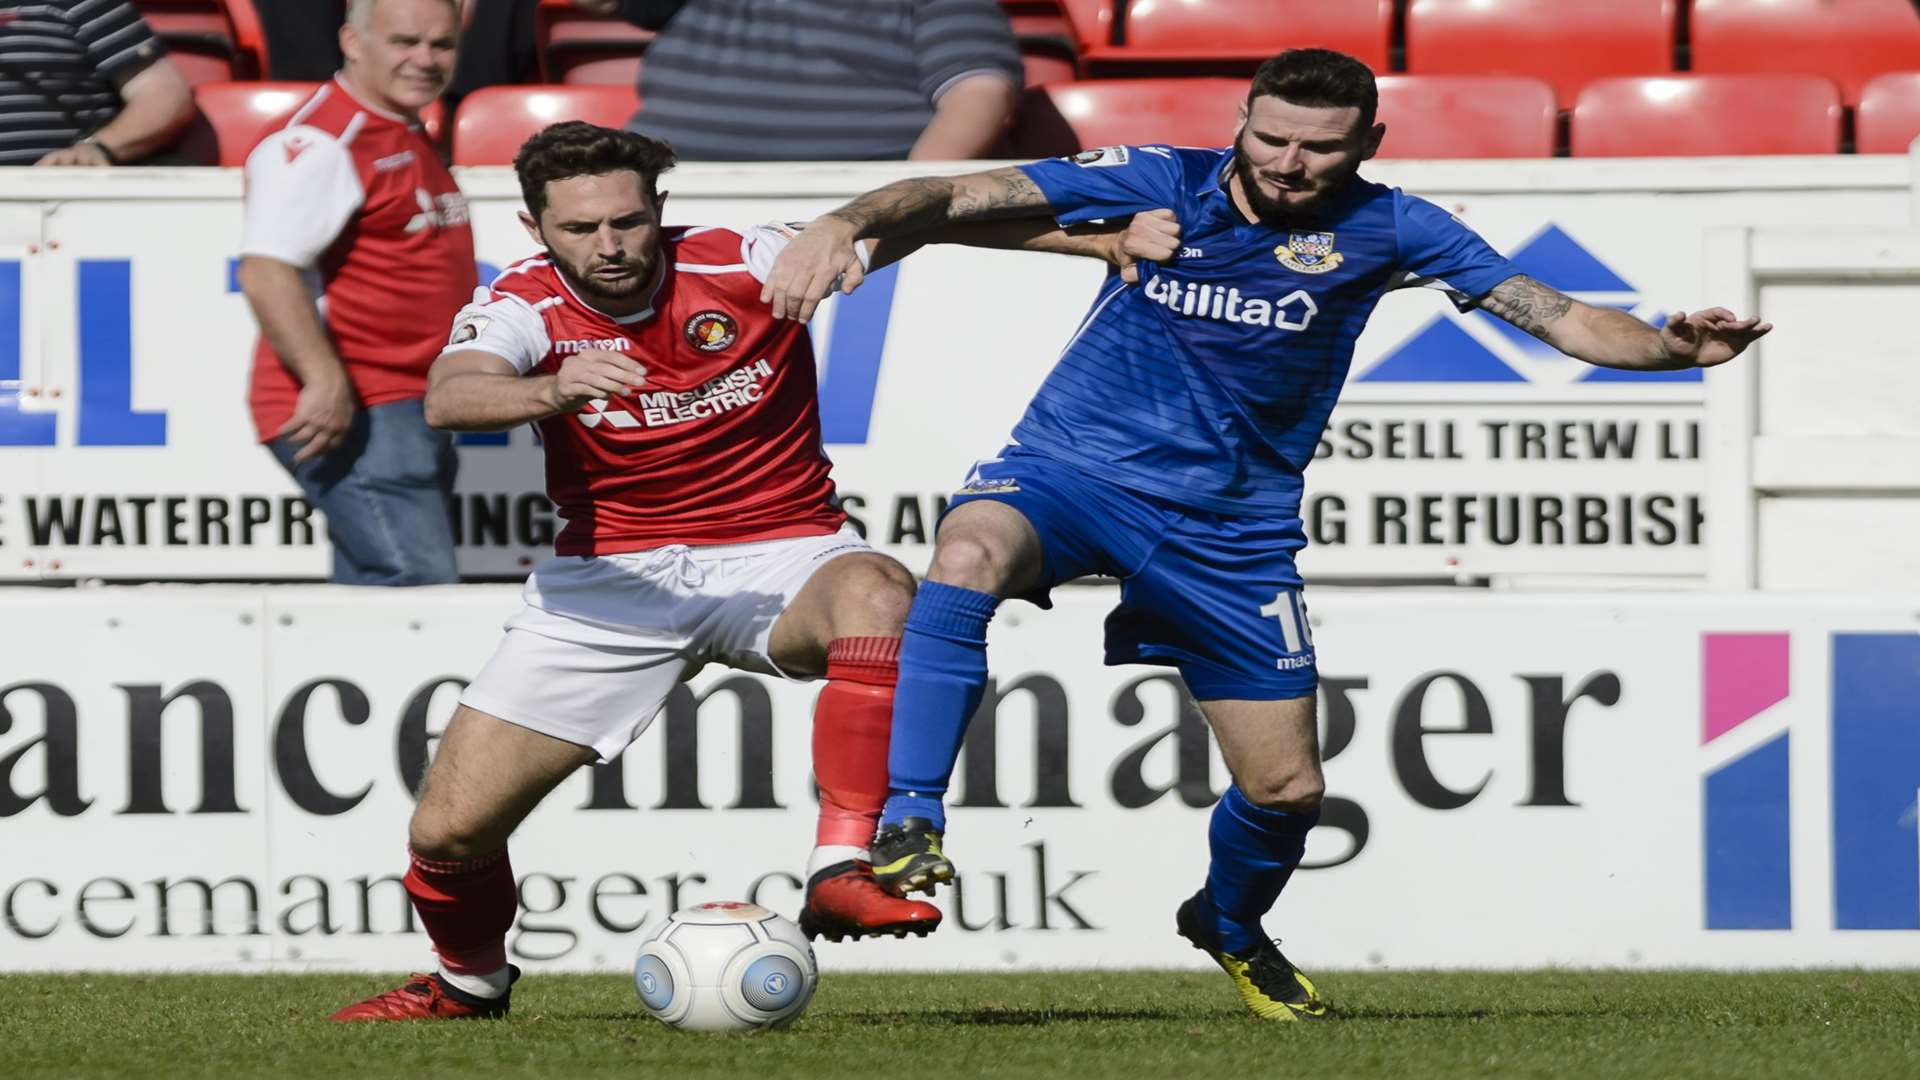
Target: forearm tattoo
<point>908,206</point>
<point>1528,304</point>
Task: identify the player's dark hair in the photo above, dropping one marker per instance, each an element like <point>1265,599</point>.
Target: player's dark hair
<point>576,148</point>
<point>1318,79</point>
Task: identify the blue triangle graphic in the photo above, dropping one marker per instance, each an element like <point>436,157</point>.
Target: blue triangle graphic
<point>1560,261</point>
<point>1441,352</point>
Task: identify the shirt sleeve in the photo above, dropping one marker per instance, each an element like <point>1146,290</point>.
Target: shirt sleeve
<point>1439,251</point>
<point>302,189</point>
<point>1113,181</point>
<point>760,245</point>
<point>953,39</point>
<point>501,324</point>
<point>118,41</point>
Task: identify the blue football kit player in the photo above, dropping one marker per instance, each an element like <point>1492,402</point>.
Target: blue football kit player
<point>1167,446</point>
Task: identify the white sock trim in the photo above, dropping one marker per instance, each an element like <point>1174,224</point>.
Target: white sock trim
<point>491,985</point>
<point>827,854</point>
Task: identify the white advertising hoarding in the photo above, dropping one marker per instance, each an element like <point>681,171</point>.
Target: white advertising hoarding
<point>1463,447</point>
<point>219,778</point>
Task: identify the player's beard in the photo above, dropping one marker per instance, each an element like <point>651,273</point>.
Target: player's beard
<point>1270,210</point>
<point>591,288</point>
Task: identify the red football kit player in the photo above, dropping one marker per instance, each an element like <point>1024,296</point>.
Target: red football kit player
<point>682,438</point>
<point>355,252</point>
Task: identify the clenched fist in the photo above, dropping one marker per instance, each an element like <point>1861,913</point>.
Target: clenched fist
<point>1152,236</point>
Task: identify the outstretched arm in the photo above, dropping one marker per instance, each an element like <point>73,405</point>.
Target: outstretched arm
<point>1150,236</point>
<point>806,272</point>
<point>1616,339</point>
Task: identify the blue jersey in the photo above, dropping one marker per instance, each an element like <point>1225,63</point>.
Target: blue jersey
<point>1210,382</point>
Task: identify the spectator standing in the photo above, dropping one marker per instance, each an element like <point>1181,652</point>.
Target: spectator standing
<point>829,80</point>
<point>84,82</point>
<point>355,257</point>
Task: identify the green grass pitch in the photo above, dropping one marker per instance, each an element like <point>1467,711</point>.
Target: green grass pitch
<point>1113,1025</point>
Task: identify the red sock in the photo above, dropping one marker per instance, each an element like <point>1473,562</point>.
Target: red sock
<point>467,908</point>
<point>851,725</point>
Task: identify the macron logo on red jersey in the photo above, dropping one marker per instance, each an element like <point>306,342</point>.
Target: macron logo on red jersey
<point>295,146</point>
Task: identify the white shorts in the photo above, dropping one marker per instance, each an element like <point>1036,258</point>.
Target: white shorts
<point>604,639</point>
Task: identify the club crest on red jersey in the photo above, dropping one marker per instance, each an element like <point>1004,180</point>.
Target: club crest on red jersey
<point>711,331</point>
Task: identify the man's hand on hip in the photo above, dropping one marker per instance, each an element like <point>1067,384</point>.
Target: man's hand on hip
<point>321,416</point>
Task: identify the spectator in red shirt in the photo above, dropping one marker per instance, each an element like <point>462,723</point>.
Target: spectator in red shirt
<point>356,254</point>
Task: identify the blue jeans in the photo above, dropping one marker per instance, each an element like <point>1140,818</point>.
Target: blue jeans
<point>384,492</point>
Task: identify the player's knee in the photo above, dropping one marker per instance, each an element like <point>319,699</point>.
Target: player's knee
<point>1290,790</point>
<point>875,600</point>
<point>970,562</point>
<point>444,839</point>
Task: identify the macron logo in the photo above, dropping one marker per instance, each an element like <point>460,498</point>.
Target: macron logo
<point>1223,303</point>
<point>580,345</point>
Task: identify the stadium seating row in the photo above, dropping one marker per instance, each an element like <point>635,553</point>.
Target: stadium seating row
<point>1565,43</point>
<point>1428,116</point>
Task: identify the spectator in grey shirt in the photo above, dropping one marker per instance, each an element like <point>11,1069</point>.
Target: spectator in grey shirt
<point>827,80</point>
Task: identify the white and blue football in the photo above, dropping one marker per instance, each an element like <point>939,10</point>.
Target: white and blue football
<point>726,966</point>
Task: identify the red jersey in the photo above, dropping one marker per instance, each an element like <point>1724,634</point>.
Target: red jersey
<point>723,443</point>
<point>358,199</point>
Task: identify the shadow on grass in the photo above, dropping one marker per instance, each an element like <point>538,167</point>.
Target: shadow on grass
<point>1005,1017</point>
<point>948,1017</point>
<point>1379,1014</point>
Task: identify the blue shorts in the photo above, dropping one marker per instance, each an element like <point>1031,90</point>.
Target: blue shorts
<point>1214,595</point>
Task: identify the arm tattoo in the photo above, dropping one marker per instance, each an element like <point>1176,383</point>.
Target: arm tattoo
<point>908,206</point>
<point>1528,304</point>
<point>1009,193</point>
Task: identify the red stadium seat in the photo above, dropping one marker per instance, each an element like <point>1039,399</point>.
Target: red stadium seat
<point>1466,116</point>
<point>210,40</point>
<point>493,122</point>
<point>1848,41</point>
<point>1092,23</point>
<point>575,47</point>
<point>1568,43</point>
<point>1066,117</point>
<point>1693,115</point>
<point>1239,34</point>
<point>1050,39</point>
<point>1889,116</point>
<point>1045,67</point>
<point>234,116</point>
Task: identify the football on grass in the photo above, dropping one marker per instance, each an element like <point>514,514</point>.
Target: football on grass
<point>726,966</point>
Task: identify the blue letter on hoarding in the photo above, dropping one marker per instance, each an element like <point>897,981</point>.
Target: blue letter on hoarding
<point>1748,850</point>
<point>107,416</point>
<point>17,428</point>
<point>1876,770</point>
<point>853,359</point>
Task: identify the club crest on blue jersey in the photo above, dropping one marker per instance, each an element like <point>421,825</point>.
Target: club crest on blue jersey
<point>1309,253</point>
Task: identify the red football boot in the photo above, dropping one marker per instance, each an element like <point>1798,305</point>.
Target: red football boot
<point>425,997</point>
<point>843,901</point>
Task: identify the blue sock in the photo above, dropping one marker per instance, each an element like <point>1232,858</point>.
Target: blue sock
<point>1254,852</point>
<point>943,672</point>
